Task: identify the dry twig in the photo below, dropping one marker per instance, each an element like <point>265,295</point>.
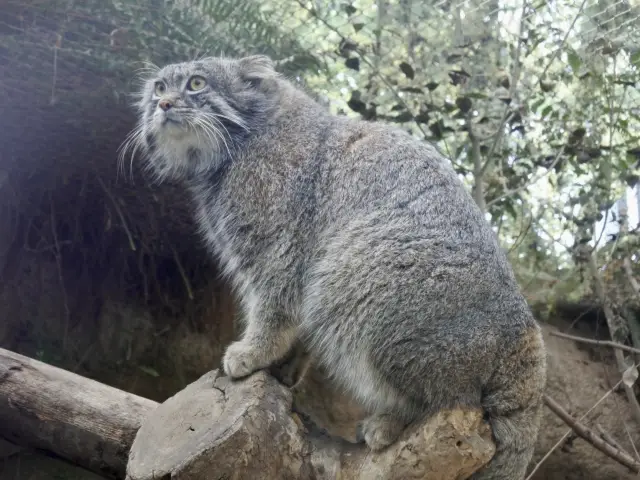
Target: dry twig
<point>606,436</point>
<point>602,343</point>
<point>132,244</point>
<point>590,436</point>
<point>564,437</point>
<point>615,325</point>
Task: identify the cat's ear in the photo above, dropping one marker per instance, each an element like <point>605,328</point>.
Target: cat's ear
<point>257,68</point>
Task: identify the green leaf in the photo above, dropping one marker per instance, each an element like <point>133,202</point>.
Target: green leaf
<point>478,95</point>
<point>403,117</point>
<point>537,104</point>
<point>355,104</point>
<point>353,63</point>
<point>407,70</point>
<point>358,22</point>
<point>349,9</point>
<point>464,104</point>
<point>411,90</point>
<point>635,58</point>
<point>546,111</point>
<point>149,371</point>
<point>510,209</point>
<point>574,61</point>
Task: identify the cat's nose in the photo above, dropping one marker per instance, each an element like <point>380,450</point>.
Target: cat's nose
<point>165,104</point>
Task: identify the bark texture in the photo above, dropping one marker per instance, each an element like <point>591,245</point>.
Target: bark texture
<point>78,419</point>
<point>214,429</point>
<point>219,429</point>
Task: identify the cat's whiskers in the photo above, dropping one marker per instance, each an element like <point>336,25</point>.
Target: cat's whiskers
<point>205,122</point>
<point>199,125</point>
<point>192,124</point>
<point>133,139</point>
<point>236,121</point>
<point>215,118</point>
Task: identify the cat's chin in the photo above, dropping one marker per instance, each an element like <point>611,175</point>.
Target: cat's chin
<point>173,130</point>
<point>184,158</point>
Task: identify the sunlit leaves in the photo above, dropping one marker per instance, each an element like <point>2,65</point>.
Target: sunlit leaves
<point>575,62</point>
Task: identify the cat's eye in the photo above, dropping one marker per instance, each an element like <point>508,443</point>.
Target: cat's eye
<point>196,83</point>
<point>160,88</point>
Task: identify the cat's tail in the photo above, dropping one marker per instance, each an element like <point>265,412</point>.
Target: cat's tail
<point>513,405</point>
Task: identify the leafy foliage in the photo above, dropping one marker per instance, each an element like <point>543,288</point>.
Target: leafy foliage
<point>536,103</point>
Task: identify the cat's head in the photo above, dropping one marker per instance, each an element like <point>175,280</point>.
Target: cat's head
<point>194,116</point>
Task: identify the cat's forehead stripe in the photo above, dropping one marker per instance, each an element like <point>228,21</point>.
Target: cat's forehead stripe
<point>176,74</point>
<point>178,78</point>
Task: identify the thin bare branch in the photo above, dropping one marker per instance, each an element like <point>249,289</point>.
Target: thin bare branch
<point>590,436</point>
<point>615,324</point>
<point>183,274</point>
<point>478,170</point>
<point>528,184</point>
<point>132,244</point>
<point>628,270</point>
<point>606,436</point>
<point>58,257</point>
<point>601,343</point>
<point>564,437</point>
<point>515,80</point>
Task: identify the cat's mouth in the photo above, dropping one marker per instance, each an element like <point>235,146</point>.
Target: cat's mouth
<point>171,120</point>
<point>171,124</point>
<point>167,122</point>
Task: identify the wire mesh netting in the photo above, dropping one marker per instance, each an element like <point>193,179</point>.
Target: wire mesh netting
<point>510,89</point>
<point>535,102</point>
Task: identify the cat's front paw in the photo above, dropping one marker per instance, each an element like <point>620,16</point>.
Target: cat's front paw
<point>240,360</point>
<point>379,431</point>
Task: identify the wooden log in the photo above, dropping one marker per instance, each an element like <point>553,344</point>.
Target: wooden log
<point>216,428</point>
<point>81,420</point>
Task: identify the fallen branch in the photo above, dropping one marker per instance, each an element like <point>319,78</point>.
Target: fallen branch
<point>570,431</point>
<point>590,436</point>
<point>83,421</point>
<point>602,343</point>
<point>606,436</point>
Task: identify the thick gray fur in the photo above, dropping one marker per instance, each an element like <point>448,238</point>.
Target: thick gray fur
<point>360,241</point>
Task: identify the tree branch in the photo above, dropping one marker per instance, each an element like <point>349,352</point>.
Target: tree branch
<point>217,427</point>
<point>606,436</point>
<point>515,79</point>
<point>528,184</point>
<point>615,326</point>
<point>587,434</point>
<point>626,263</point>
<point>563,438</point>
<point>478,170</point>
<point>602,343</point>
<point>247,429</point>
<point>80,420</point>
